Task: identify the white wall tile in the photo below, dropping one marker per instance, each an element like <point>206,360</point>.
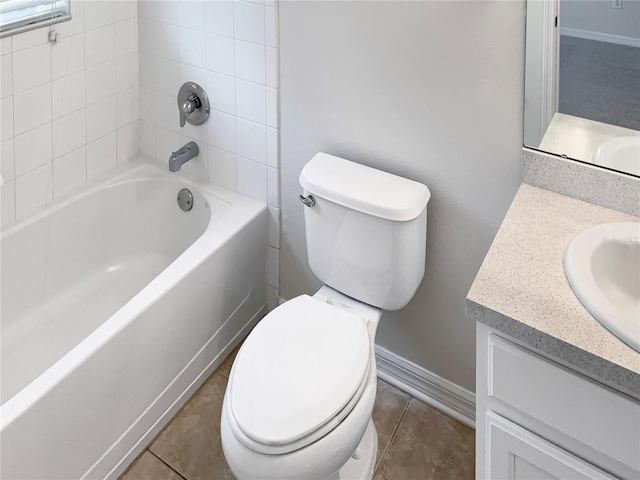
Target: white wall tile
<point>274,227</point>
<point>252,179</point>
<point>7,169</point>
<point>167,114</point>
<point>147,70</point>
<point>101,155</point>
<point>6,118</point>
<point>166,11</point>
<point>222,92</point>
<point>235,74</point>
<point>191,14</point>
<point>222,131</point>
<point>251,140</point>
<point>220,54</point>
<point>271,67</point>
<point>190,73</point>
<point>68,56</point>
<point>249,22</point>
<point>69,132</point>
<point>222,168</point>
<point>195,132</point>
<point>126,9</point>
<point>99,45</point>
<point>271,27</point>
<point>167,40</point>
<point>100,82</point>
<point>69,171</point>
<point>273,187</point>
<point>68,94</point>
<point>147,139</point>
<point>126,37</point>
<point>6,45</point>
<point>167,142</point>
<point>7,201</point>
<point>192,47</point>
<point>126,72</point>
<point>76,24</point>
<point>146,36</point>
<point>31,67</point>
<point>128,142</point>
<point>101,118</point>
<point>167,76</point>
<point>272,107</point>
<point>32,108</point>
<point>29,39</point>
<point>6,76</point>
<point>33,189</point>
<point>273,264</point>
<point>145,9</point>
<point>127,107</point>
<point>272,147</point>
<point>147,105</point>
<point>33,149</point>
<point>250,62</point>
<point>219,17</point>
<point>251,101</point>
<point>98,13</point>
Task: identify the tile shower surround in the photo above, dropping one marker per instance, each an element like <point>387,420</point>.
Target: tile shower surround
<point>69,110</point>
<point>128,60</point>
<point>230,49</point>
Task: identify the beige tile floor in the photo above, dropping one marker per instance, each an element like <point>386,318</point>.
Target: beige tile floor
<point>415,441</point>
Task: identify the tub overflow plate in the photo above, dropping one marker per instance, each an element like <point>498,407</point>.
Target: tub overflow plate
<point>185,199</point>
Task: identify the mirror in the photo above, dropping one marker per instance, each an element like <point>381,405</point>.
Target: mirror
<point>582,81</point>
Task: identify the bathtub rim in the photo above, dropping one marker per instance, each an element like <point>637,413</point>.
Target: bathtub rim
<point>220,229</point>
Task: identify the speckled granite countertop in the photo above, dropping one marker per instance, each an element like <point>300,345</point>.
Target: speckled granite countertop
<point>521,288</point>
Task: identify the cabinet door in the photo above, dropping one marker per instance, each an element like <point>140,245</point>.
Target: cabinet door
<point>517,454</point>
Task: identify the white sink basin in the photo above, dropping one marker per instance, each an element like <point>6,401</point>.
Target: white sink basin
<point>621,154</point>
<point>602,265</point>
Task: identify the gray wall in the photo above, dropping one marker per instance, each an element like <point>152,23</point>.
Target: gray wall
<point>599,17</point>
<point>429,90</point>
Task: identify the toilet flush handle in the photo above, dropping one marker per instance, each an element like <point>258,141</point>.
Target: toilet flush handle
<point>308,201</point>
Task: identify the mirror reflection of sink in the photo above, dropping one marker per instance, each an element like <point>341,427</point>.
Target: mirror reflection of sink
<point>621,154</point>
<point>602,265</point>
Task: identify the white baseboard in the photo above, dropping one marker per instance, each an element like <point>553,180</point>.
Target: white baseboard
<point>427,387</point>
<point>600,37</point>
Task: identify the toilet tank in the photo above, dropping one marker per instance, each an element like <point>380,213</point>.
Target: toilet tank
<point>366,233</point>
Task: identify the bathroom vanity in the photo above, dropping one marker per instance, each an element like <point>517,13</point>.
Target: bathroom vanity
<point>557,395</point>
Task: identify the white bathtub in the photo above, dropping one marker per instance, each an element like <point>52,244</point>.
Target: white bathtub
<point>116,306</point>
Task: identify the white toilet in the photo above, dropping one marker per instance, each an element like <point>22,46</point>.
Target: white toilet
<point>301,391</point>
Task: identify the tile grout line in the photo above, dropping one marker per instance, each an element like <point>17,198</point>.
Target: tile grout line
<point>377,468</point>
<point>166,464</point>
<point>148,447</point>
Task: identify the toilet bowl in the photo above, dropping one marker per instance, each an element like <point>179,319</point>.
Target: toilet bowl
<point>330,369</point>
<point>301,391</point>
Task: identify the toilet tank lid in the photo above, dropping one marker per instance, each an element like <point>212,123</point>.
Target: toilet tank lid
<point>363,188</point>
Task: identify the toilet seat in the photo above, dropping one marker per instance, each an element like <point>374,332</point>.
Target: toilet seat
<point>289,385</point>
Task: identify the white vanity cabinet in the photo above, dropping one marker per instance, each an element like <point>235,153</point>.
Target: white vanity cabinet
<point>537,419</point>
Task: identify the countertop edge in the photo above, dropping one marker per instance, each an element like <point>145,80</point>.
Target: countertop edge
<point>597,368</point>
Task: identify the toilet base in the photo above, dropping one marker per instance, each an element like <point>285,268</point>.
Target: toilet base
<point>361,464</point>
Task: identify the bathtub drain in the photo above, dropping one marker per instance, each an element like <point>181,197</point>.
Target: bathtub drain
<point>185,199</point>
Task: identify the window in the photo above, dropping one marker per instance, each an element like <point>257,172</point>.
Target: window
<point>19,15</point>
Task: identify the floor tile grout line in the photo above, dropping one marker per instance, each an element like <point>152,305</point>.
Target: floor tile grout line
<point>153,440</point>
<point>377,467</point>
<point>167,465</point>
